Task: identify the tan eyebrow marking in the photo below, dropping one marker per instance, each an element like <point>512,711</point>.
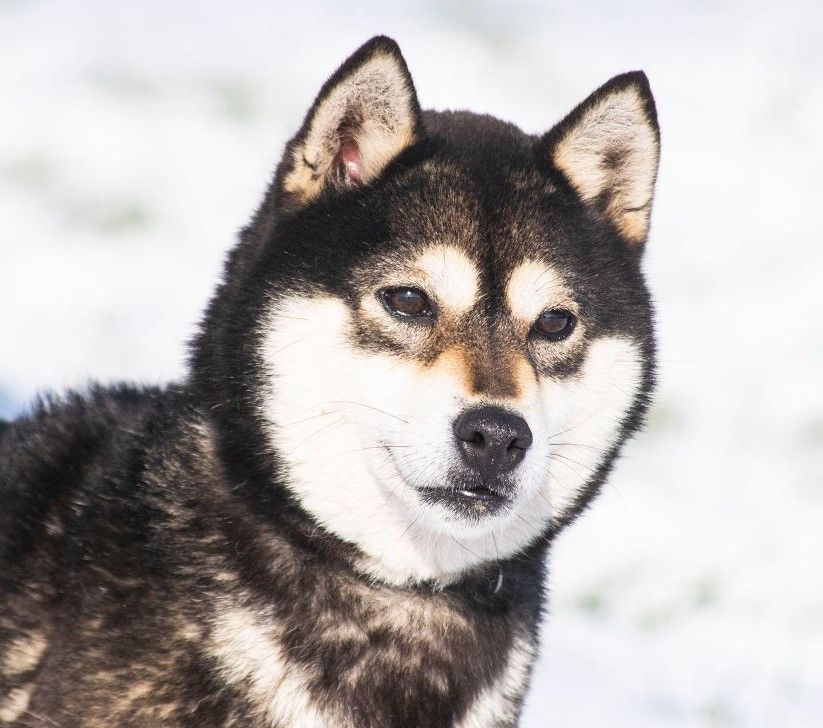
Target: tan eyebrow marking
<point>532,287</point>
<point>453,277</point>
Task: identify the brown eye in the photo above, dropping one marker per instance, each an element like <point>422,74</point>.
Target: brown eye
<point>555,324</point>
<point>407,302</point>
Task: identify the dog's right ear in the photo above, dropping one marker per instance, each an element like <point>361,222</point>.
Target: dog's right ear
<point>608,149</point>
<point>363,117</point>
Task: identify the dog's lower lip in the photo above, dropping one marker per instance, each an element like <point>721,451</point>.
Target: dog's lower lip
<point>479,494</point>
<point>474,501</point>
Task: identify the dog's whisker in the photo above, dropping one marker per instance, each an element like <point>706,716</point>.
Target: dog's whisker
<point>323,429</point>
<point>369,406</point>
<point>308,419</point>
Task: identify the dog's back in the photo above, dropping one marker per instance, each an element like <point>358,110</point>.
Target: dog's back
<point>45,461</point>
<point>51,462</point>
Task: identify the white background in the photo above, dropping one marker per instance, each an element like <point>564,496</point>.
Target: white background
<point>136,138</point>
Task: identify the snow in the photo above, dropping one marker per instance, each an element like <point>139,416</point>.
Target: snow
<point>136,138</point>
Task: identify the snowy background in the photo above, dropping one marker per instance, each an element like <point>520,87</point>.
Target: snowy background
<point>136,138</point>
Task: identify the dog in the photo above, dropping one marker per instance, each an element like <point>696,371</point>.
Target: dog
<point>427,349</point>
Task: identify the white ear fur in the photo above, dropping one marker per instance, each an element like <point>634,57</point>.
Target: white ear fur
<point>608,149</point>
<point>365,115</point>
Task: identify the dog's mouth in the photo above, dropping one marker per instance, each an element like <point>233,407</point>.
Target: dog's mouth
<point>476,502</point>
<point>464,494</point>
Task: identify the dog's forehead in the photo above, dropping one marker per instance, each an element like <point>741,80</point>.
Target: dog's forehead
<point>467,242</point>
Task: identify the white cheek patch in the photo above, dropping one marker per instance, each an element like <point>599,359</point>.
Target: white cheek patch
<point>450,275</point>
<point>532,288</point>
<point>586,413</point>
<point>345,421</point>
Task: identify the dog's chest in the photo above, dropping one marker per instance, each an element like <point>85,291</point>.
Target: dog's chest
<point>364,656</point>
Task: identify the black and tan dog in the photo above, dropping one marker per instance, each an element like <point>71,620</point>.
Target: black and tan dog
<point>425,354</point>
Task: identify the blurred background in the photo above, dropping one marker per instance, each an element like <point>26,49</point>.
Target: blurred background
<point>136,138</point>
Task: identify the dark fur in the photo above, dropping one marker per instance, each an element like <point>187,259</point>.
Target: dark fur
<point>127,514</point>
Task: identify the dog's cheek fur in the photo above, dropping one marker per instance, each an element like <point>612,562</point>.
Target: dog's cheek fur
<point>589,412</point>
<point>330,412</point>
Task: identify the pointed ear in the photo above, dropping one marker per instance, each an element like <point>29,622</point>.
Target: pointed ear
<point>363,117</point>
<point>608,149</point>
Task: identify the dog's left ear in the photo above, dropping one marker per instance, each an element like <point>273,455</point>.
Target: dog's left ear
<point>608,149</point>
<point>363,117</point>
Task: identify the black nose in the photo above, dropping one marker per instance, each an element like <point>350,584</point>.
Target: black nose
<point>492,440</point>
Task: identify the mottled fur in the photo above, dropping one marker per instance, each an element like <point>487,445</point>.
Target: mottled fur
<point>182,557</point>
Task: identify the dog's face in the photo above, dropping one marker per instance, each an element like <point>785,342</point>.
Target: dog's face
<point>454,337</point>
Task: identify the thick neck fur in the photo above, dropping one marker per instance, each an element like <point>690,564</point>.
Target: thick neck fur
<point>311,641</point>
<point>295,602</point>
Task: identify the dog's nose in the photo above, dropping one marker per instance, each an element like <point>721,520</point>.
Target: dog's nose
<point>492,440</point>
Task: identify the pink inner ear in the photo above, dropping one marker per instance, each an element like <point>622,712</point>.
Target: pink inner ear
<point>349,155</point>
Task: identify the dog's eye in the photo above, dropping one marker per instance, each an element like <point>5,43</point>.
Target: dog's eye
<point>407,301</point>
<point>555,325</point>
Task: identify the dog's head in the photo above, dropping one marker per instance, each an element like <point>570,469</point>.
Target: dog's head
<point>437,325</point>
